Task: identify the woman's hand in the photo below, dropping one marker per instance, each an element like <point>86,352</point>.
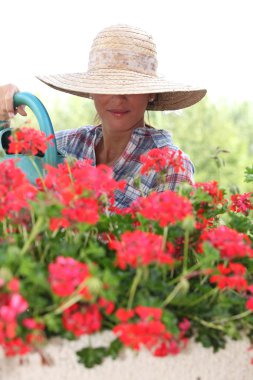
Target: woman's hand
<point>7,110</point>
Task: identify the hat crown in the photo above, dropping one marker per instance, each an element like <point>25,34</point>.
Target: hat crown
<point>122,47</point>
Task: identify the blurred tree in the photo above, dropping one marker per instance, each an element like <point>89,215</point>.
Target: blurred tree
<point>217,136</point>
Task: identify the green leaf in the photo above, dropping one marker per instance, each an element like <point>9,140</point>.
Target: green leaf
<point>53,324</point>
<point>209,256</point>
<point>170,321</point>
<point>114,348</point>
<point>240,222</point>
<point>211,338</point>
<point>249,174</point>
<point>92,356</point>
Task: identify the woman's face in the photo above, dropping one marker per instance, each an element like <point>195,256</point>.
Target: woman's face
<point>121,112</point>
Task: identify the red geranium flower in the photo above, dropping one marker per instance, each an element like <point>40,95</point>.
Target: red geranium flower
<point>28,141</point>
<point>82,319</point>
<point>161,159</point>
<point>212,188</point>
<point>15,190</point>
<point>231,276</point>
<point>242,203</point>
<point>166,207</point>
<point>229,242</point>
<point>141,248</point>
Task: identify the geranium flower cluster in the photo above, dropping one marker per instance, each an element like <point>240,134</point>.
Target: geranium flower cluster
<point>66,275</point>
<point>155,274</point>
<point>231,276</point>
<point>28,141</point>
<point>242,203</point>
<point>143,326</point>
<point>12,306</point>
<point>166,208</point>
<point>83,191</point>
<point>231,244</point>
<point>15,190</point>
<point>82,319</point>
<point>160,160</point>
<point>140,248</point>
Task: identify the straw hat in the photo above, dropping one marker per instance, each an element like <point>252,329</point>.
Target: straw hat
<point>123,60</point>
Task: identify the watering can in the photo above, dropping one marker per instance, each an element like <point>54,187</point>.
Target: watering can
<point>51,157</point>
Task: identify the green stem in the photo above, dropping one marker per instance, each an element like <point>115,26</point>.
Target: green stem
<point>38,171</point>
<point>35,231</point>
<point>70,173</point>
<point>24,232</point>
<point>134,286</point>
<point>202,298</point>
<point>186,250</point>
<point>235,317</point>
<point>74,298</point>
<point>173,294</point>
<point>68,303</point>
<point>208,324</point>
<point>165,235</point>
<point>225,320</point>
<point>181,276</point>
<point>5,229</point>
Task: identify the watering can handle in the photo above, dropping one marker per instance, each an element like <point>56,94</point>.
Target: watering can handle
<point>44,121</point>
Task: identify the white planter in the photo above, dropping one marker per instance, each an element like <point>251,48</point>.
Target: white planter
<point>195,363</point>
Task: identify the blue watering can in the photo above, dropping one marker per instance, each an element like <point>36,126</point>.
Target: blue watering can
<point>51,157</point>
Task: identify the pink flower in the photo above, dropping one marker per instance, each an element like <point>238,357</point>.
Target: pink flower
<point>66,274</point>
<point>242,203</point>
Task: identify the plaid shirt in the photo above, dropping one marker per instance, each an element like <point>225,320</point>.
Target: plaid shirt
<point>81,143</point>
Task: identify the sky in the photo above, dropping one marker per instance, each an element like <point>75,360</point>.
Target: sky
<point>202,42</point>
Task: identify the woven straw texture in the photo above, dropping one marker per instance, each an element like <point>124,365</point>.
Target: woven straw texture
<point>123,60</point>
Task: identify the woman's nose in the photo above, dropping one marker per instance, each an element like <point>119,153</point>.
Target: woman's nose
<point>119,97</point>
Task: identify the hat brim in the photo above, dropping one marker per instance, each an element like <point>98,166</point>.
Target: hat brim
<point>169,95</point>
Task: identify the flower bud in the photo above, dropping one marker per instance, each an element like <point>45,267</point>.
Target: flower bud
<point>94,285</point>
<point>188,223</point>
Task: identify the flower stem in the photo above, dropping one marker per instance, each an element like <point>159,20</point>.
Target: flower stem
<point>5,228</point>
<point>184,275</point>
<point>70,173</point>
<point>134,286</point>
<point>38,171</point>
<point>71,301</point>
<point>235,317</point>
<point>208,324</point>
<point>35,231</point>
<point>174,292</point>
<point>212,292</point>
<point>186,250</point>
<point>165,235</point>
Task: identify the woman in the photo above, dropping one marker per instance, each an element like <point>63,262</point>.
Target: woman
<point>122,80</point>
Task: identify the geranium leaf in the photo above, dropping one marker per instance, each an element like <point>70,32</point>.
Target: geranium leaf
<point>92,356</point>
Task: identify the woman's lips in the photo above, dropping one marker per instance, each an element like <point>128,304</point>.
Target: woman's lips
<point>118,113</point>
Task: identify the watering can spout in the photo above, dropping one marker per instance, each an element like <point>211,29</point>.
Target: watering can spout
<point>51,156</point>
